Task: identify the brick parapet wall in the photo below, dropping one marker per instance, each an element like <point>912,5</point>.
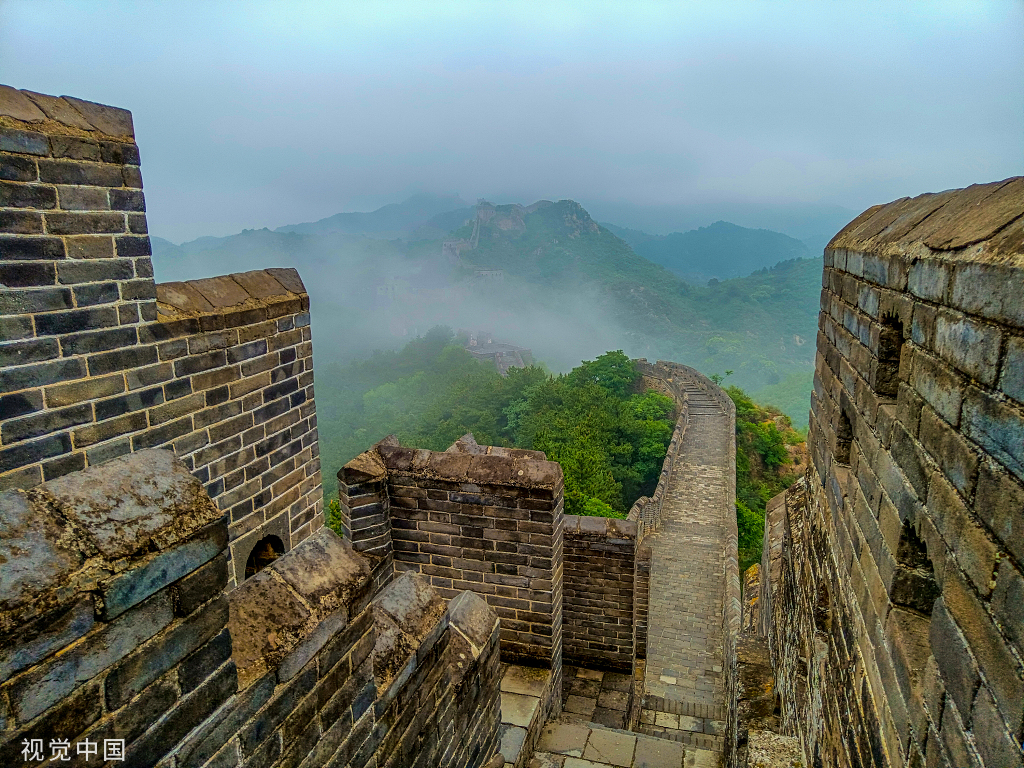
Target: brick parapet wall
<point>911,546</point>
<point>97,361</point>
<point>598,592</point>
<point>115,624</point>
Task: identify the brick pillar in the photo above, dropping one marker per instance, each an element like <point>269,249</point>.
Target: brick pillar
<point>77,282</point>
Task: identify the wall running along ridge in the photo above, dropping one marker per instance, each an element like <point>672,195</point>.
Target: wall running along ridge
<point>97,361</point>
<point>891,588</point>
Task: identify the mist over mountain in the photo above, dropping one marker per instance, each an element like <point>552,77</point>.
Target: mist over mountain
<point>544,276</point>
<point>719,251</point>
<point>388,221</point>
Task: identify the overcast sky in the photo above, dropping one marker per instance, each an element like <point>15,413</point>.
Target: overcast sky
<point>263,114</point>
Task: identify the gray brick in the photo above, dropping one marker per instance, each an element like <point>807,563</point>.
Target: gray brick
<point>55,679</point>
<point>40,374</point>
<point>148,662</point>
<point>45,423</point>
<point>105,430</point>
<point>163,434</point>
<point>87,389</point>
<point>127,200</point>
<point>950,451</point>
<point>197,587</point>
<point>118,153</point>
<point>102,293</point>
<point>98,341</point>
<point>942,388</point>
<point>24,142</point>
<point>63,465</point>
<point>94,270</point>
<point>90,247</point>
<point>21,222</point>
<point>996,427</point>
<point>56,323</point>
<point>12,406</point>
<point>121,360</point>
<point>80,223</point>
<point>81,173</point>
<point>17,195</point>
<point>132,587</point>
<point>43,636</point>
<point>18,248</point>
<point>14,327</point>
<point>83,198</point>
<point>28,351</point>
<point>14,168</point>
<point>133,247</point>
<point>1011,380</point>
<point>74,148</point>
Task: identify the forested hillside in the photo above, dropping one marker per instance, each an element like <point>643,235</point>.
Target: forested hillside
<point>717,252</point>
<point>609,439</point>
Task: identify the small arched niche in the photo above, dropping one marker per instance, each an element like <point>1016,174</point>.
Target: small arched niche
<point>890,347</point>
<point>263,553</point>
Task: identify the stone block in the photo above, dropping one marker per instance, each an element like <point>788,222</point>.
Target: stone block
<point>473,618</point>
<point>940,387</point>
<point>999,502</point>
<point>995,744</point>
<point>112,121</point>
<point>958,670</point>
<point>954,455</point>
<point>989,290</point>
<point>1008,602</point>
<point>148,662</point>
<point>45,635</point>
<point>1002,671</point>
<point>929,279</point>
<point>969,345</point>
<point>997,427</point>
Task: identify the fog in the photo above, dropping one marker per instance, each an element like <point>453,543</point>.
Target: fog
<point>667,116</point>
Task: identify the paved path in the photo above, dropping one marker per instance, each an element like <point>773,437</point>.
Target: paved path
<point>684,680</point>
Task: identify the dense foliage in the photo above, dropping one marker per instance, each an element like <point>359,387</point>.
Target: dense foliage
<point>609,439</point>
<point>764,467</point>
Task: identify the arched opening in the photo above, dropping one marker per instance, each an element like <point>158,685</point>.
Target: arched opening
<point>844,439</point>
<point>890,346</point>
<point>913,584</point>
<point>263,553</point>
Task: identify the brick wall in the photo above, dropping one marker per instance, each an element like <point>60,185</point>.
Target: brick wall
<point>97,361</point>
<point>112,618</point>
<point>114,625</point>
<point>892,602</point>
<point>598,592</point>
<point>486,522</point>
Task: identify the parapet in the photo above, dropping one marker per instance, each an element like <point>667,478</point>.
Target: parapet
<point>900,555</point>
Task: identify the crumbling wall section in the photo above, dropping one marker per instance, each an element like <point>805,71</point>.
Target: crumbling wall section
<point>892,602</point>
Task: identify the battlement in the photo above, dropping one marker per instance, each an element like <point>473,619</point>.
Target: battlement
<point>891,582</point>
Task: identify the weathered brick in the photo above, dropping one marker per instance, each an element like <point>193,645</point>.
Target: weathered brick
<point>191,591</point>
<point>17,195</point>
<point>82,198</point>
<point>1011,380</point>
<point>1000,504</point>
<point>121,360</point>
<point>14,168</point>
<point>18,248</point>
<point>101,293</point>
<point>81,223</point>
<point>139,400</point>
<point>12,406</point>
<point>40,374</point>
<point>98,341</point>
<point>56,323</point>
<point>28,351</point>
<point>74,148</point>
<point>81,173</point>
<point>91,247</point>
<point>56,678</point>
<point>133,247</point>
<point>24,142</point>
<point>44,423</point>
<point>940,387</point>
<point>21,222</point>
<point>63,465</point>
<point>87,389</point>
<point>997,427</point>
<point>136,290</point>
<point>15,327</point>
<point>162,434</point>
<point>127,200</point>
<point>950,451</point>
<point>105,430</point>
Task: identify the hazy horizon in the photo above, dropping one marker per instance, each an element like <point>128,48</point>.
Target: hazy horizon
<point>652,116</point>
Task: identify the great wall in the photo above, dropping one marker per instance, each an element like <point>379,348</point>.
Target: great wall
<point>168,590</point>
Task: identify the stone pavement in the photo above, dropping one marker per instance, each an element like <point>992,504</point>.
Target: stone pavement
<point>685,696</point>
<point>580,745</point>
<point>595,696</point>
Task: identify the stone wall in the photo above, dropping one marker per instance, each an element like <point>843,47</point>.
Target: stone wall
<point>115,627</point>
<point>599,556</point>
<point>891,582</point>
<point>489,521</point>
<point>97,361</point>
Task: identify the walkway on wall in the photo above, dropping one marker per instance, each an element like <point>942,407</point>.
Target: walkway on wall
<point>685,692</point>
